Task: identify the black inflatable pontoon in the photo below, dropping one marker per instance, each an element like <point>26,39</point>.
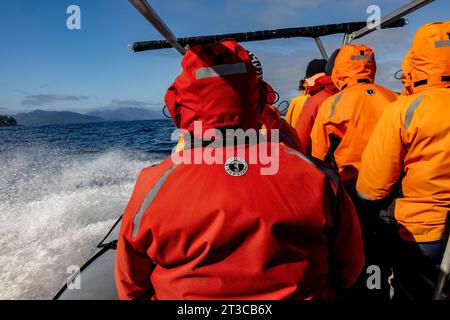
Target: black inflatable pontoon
<point>97,275</point>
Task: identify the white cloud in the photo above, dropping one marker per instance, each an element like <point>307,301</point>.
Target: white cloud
<point>118,103</point>
<point>48,99</point>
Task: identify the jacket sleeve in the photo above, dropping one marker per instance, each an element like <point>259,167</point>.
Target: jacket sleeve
<point>346,245</point>
<point>382,159</point>
<point>132,272</point>
<point>133,267</point>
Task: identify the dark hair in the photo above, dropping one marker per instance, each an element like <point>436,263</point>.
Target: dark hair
<point>301,85</point>
<point>314,67</point>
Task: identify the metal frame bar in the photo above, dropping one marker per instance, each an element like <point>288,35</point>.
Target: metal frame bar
<point>308,32</point>
<point>322,49</point>
<point>346,39</point>
<point>442,287</point>
<point>399,13</point>
<point>150,14</point>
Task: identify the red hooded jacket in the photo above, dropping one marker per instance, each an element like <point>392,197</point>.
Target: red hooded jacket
<point>322,89</point>
<point>198,231</point>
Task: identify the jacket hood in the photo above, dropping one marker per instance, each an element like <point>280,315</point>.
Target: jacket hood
<point>430,61</point>
<point>310,82</point>
<point>322,83</point>
<point>355,64</point>
<point>218,86</point>
<point>406,77</point>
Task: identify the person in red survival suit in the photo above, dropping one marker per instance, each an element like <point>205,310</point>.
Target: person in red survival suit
<point>321,90</point>
<point>228,231</point>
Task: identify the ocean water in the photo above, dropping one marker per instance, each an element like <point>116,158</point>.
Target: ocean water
<point>61,189</point>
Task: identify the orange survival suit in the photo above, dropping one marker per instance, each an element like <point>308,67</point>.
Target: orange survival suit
<point>295,109</point>
<point>345,121</point>
<point>215,231</point>
<point>412,139</point>
<point>406,77</point>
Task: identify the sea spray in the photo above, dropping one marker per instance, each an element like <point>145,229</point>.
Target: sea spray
<point>54,208</point>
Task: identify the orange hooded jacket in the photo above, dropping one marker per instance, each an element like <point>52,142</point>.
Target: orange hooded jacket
<point>413,139</point>
<point>406,77</point>
<point>347,119</point>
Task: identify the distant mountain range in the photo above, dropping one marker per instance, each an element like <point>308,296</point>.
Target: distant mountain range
<point>126,114</point>
<point>41,118</point>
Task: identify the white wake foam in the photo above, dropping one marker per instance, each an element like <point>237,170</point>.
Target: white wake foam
<point>54,209</point>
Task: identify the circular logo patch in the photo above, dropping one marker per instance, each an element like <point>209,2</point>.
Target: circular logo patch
<point>236,167</point>
<point>370,92</point>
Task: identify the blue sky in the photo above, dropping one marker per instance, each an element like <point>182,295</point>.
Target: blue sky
<point>44,65</point>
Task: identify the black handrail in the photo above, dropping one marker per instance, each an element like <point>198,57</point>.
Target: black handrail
<point>308,32</point>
